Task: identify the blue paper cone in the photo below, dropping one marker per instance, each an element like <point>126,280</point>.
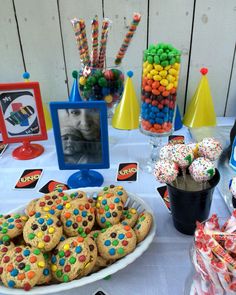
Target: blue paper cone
<point>74,94</point>
<point>178,121</point>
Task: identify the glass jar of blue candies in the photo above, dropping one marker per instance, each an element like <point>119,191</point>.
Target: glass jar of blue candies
<point>102,84</point>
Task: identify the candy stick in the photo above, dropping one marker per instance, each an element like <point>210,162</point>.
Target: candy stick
<point>128,37</point>
<point>84,41</point>
<point>76,27</point>
<point>103,42</point>
<point>94,53</point>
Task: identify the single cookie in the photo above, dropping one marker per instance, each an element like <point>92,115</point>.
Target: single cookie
<point>143,226</point>
<point>69,259</point>
<point>109,210</point>
<point>30,209</point>
<point>47,272</point>
<point>116,191</point>
<point>129,217</point>
<point>93,257</point>
<point>11,226</point>
<point>78,218</point>
<point>43,231</point>
<point>116,241</point>
<point>52,203</point>
<point>22,267</point>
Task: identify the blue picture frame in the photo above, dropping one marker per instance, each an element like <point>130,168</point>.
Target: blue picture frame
<point>59,108</point>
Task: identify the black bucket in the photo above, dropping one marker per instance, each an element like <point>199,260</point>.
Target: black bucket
<point>187,207</point>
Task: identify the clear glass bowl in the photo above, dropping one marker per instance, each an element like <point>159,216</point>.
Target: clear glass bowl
<point>97,84</point>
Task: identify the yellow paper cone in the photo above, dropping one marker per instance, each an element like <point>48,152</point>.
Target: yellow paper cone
<point>200,111</point>
<point>126,114</point>
<point>47,117</point>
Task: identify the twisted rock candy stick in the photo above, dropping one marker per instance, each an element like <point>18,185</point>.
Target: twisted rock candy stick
<point>128,37</point>
<point>103,42</point>
<point>94,53</point>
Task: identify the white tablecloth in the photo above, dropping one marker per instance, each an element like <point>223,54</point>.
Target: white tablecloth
<point>164,267</point>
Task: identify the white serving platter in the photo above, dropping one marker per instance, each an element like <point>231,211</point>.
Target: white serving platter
<point>133,201</point>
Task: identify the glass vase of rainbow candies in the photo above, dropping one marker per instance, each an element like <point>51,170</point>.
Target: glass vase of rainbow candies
<point>160,76</point>
<point>161,66</point>
<point>102,84</point>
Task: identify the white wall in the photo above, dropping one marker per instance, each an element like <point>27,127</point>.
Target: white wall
<point>37,36</point>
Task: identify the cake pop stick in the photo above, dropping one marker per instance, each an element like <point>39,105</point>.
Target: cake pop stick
<point>128,37</point>
<point>103,42</point>
<point>94,53</point>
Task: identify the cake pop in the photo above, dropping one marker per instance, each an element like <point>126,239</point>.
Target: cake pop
<point>202,169</point>
<point>182,155</point>
<point>166,152</point>
<point>209,148</point>
<point>166,171</point>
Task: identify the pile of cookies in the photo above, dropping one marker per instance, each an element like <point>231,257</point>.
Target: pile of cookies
<point>65,236</point>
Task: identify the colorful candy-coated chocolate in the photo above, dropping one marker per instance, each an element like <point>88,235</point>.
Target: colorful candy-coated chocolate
<point>159,83</point>
<point>104,85</point>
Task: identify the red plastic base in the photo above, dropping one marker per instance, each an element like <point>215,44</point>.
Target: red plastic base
<point>28,151</point>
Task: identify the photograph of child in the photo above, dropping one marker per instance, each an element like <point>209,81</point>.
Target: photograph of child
<point>80,135</point>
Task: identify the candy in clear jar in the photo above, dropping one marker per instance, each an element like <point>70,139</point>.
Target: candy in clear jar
<point>161,65</point>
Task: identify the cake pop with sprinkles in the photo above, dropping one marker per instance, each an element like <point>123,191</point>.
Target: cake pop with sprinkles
<point>202,169</point>
<point>209,148</point>
<point>166,171</point>
<point>182,155</point>
<point>166,152</point>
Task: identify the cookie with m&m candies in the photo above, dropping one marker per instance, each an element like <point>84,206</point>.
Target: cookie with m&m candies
<point>143,226</point>
<point>69,259</point>
<point>129,217</point>
<point>114,191</point>
<point>109,209</point>
<point>11,226</point>
<point>22,267</point>
<point>43,231</point>
<point>52,203</point>
<point>78,218</point>
<point>116,241</point>
<point>100,261</point>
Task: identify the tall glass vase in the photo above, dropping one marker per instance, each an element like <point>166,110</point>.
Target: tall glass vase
<point>160,77</point>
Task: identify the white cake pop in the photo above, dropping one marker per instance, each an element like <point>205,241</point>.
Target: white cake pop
<point>209,148</point>
<point>166,171</point>
<point>202,169</point>
<point>182,155</point>
<point>166,152</point>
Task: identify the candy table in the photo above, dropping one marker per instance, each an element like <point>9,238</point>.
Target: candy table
<point>165,266</point>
